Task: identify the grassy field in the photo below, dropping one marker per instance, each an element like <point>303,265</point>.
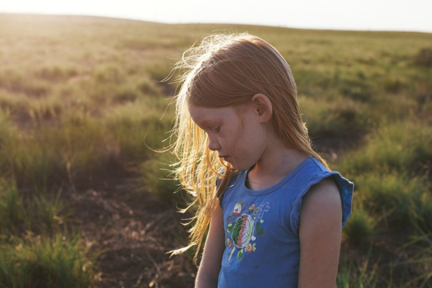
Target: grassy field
<point>82,106</point>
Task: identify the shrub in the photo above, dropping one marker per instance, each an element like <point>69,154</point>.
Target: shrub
<point>359,226</point>
<point>356,275</point>
<point>325,117</point>
<point>389,195</point>
<point>12,212</point>
<point>395,147</point>
<point>421,214</point>
<point>157,178</point>
<point>55,73</point>
<point>42,262</point>
<point>424,57</point>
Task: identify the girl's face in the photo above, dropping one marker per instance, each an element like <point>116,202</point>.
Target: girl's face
<point>234,132</point>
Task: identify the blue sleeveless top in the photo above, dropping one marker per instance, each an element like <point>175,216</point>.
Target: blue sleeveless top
<point>262,246</point>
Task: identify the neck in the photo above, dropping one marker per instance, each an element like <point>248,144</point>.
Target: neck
<point>276,163</point>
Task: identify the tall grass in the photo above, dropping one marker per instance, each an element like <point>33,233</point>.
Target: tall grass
<point>400,146</point>
<point>12,212</point>
<point>357,275</point>
<point>59,261</point>
<point>158,179</point>
<point>36,248</point>
<point>41,214</point>
<point>360,226</point>
<point>73,107</point>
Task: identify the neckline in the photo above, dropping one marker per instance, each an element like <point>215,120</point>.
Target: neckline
<point>275,186</point>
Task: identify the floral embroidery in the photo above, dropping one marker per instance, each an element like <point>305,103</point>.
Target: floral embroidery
<point>250,248</point>
<point>251,208</point>
<point>244,224</point>
<point>237,209</point>
<point>229,243</point>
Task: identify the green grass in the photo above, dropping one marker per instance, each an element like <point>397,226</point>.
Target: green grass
<point>360,226</point>
<point>12,212</point>
<point>357,275</point>
<point>59,261</point>
<point>36,248</point>
<point>38,213</point>
<point>402,146</point>
<point>71,108</point>
<point>158,178</point>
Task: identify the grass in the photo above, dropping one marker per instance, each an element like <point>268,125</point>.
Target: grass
<point>357,275</point>
<point>37,262</point>
<point>72,108</point>
<point>36,248</point>
<point>402,146</point>
<point>360,226</point>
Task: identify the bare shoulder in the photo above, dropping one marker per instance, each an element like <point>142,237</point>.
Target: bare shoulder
<point>320,235</point>
<point>321,209</point>
<point>325,194</point>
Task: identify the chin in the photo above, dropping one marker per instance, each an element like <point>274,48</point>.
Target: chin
<point>239,167</point>
<point>236,165</point>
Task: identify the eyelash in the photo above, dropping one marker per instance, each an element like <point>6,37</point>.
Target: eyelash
<point>216,129</point>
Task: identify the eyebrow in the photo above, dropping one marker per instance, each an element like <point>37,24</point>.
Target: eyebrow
<point>207,121</point>
<point>206,124</point>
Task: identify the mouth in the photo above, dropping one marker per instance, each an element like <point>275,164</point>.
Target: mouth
<point>226,158</point>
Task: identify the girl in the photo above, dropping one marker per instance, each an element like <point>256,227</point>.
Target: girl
<point>276,215</point>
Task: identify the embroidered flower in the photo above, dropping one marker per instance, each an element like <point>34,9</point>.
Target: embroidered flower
<point>251,208</point>
<point>229,243</point>
<point>250,248</point>
<point>237,209</point>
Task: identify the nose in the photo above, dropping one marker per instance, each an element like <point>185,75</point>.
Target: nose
<point>213,144</point>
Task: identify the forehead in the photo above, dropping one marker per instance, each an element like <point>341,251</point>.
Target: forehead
<point>208,115</point>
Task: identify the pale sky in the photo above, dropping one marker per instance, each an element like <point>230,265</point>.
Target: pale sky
<point>388,15</point>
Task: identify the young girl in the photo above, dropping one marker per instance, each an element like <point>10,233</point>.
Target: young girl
<point>276,214</point>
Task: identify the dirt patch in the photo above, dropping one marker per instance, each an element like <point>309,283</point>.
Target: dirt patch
<point>132,233</point>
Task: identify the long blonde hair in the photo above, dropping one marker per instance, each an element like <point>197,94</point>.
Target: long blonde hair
<point>227,70</point>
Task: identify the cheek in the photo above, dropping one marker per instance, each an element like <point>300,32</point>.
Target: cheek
<point>238,143</point>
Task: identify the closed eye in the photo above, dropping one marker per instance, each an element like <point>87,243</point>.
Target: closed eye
<point>216,129</point>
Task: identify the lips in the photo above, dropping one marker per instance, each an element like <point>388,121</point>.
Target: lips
<point>226,158</point>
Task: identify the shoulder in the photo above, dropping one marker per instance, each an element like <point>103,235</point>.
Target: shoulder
<point>324,192</point>
<point>320,235</point>
<point>319,187</point>
<point>321,208</point>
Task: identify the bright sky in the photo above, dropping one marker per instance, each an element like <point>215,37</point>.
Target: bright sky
<point>393,15</point>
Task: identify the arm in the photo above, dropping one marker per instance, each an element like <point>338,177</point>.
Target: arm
<point>208,271</point>
<point>320,235</point>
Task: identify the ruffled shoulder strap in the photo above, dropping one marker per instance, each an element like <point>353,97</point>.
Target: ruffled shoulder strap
<point>345,187</point>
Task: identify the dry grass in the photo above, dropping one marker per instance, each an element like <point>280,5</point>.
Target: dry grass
<point>82,103</point>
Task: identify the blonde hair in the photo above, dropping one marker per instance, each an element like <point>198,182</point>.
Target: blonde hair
<point>228,70</point>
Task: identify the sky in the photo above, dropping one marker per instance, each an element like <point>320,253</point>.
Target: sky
<point>383,15</point>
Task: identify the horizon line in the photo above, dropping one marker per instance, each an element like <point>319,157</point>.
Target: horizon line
<point>212,23</point>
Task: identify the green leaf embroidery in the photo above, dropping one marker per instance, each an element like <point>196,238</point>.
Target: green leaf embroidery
<point>259,230</point>
<point>229,228</point>
<point>240,254</point>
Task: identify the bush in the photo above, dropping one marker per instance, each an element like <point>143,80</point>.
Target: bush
<point>12,212</point>
<point>158,179</point>
<point>424,57</point>
<point>42,262</point>
<point>401,147</point>
<point>359,226</point>
<point>389,195</point>
<point>356,275</point>
<point>325,117</point>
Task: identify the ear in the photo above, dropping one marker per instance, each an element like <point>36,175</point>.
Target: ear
<point>263,107</point>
